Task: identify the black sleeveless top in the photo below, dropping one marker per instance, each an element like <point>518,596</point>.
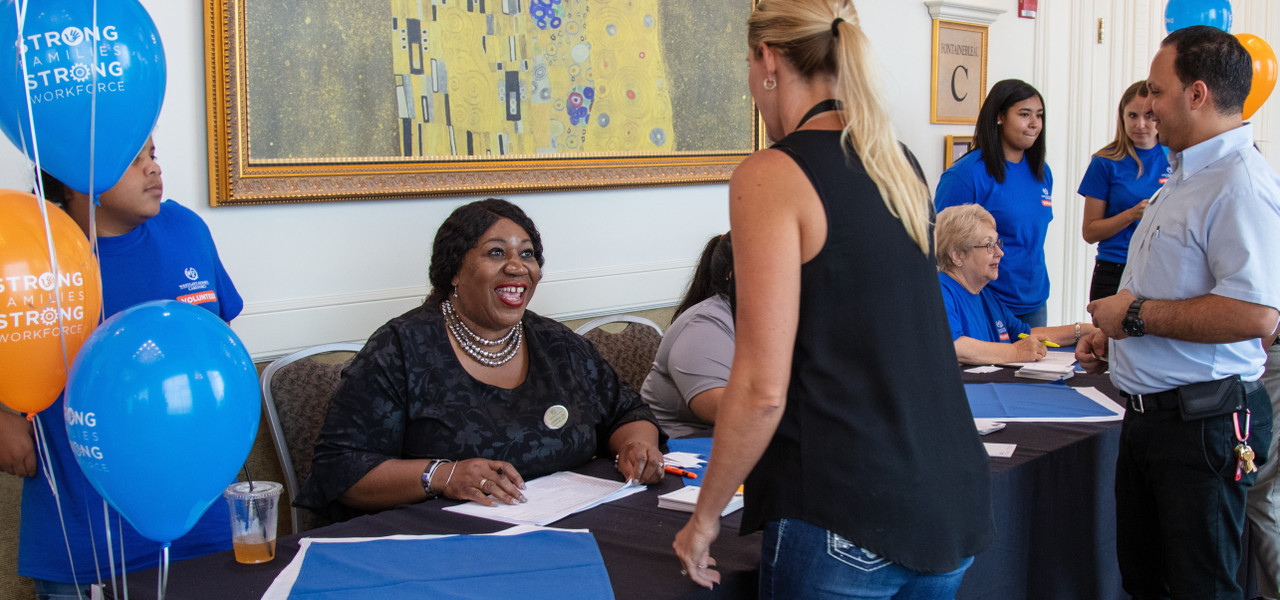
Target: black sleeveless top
<point>877,442</point>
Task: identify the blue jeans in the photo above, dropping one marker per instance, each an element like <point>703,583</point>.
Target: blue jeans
<point>1038,317</point>
<point>799,560</point>
<point>1179,509</point>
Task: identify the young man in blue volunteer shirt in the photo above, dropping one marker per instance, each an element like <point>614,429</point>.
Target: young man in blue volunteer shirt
<point>149,249</point>
<point>1198,292</point>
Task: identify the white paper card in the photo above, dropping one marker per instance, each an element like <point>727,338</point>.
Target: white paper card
<point>999,450</point>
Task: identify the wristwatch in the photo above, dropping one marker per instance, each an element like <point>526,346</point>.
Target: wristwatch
<point>1133,325</point>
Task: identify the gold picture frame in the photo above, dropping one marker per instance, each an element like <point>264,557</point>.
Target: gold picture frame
<point>958,78</point>
<point>955,147</point>
<point>290,120</point>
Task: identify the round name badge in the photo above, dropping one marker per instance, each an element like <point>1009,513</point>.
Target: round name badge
<point>556,416</point>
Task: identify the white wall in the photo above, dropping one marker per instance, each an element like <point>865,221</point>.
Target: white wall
<point>332,272</point>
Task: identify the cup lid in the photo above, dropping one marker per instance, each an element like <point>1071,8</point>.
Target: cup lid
<point>261,489</point>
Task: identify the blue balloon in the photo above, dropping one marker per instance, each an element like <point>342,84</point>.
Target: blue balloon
<point>1185,13</point>
<point>162,407</point>
<point>59,44</point>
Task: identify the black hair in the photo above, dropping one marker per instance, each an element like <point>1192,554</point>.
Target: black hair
<point>54,190</point>
<point>461,232</point>
<point>986,133</point>
<point>712,276</point>
<point>1218,59</point>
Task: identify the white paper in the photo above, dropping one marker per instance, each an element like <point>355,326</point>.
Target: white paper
<point>552,498</point>
<point>999,450</point>
<point>986,426</point>
<point>1054,360</point>
<point>683,460</point>
<point>983,369</point>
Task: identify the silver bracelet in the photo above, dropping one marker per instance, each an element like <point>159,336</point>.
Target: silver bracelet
<point>430,472</point>
<point>1077,332</point>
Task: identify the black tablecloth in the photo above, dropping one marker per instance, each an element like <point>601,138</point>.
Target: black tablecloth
<point>1053,505</point>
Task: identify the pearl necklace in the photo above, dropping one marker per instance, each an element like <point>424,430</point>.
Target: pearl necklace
<point>471,342</point>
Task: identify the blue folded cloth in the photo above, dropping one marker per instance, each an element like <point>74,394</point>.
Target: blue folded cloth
<point>540,564</point>
<point>1053,400</point>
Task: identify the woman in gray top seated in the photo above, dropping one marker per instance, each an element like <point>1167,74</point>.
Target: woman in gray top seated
<point>692,365</point>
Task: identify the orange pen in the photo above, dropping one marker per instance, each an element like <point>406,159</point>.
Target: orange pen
<point>681,472</point>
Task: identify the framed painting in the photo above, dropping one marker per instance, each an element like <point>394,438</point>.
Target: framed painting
<point>956,146</point>
<point>316,100</point>
<point>959,74</point>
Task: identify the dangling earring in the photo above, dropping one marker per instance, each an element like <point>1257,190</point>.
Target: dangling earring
<point>770,82</point>
<point>455,291</point>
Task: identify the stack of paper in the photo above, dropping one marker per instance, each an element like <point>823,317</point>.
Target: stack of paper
<point>552,498</point>
<point>1054,366</point>
<point>685,498</point>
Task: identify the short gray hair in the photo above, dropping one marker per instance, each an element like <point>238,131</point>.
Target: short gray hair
<point>956,231</point>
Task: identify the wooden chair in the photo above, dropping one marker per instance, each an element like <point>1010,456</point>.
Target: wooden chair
<point>630,351</point>
<point>296,391</point>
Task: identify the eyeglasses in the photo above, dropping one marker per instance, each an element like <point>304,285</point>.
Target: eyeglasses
<point>991,246</point>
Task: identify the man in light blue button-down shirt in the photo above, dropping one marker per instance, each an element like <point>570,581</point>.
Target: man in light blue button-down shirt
<point>1199,291</point>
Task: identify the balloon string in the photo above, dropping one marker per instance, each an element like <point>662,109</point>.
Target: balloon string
<point>93,544</point>
<point>93,103</point>
<point>46,463</point>
<point>124,569</point>
<point>111,552</point>
<point>163,583</point>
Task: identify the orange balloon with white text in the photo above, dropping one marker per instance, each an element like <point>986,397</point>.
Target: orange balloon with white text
<point>40,309</point>
<point>1264,71</point>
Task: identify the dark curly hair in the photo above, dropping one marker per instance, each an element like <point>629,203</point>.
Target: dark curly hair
<point>712,276</point>
<point>461,232</point>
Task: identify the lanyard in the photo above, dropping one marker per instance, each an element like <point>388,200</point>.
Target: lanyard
<point>819,108</point>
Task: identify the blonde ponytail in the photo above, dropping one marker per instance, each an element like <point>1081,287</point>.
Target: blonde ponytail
<point>823,38</point>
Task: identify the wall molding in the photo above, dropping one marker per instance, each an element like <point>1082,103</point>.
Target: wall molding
<point>272,329</point>
<point>963,12</point>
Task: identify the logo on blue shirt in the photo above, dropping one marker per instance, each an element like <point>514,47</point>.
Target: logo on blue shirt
<point>191,273</point>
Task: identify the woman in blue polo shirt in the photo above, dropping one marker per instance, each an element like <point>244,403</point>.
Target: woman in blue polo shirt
<point>1120,179</point>
<point>1005,172</point>
<point>983,328</point>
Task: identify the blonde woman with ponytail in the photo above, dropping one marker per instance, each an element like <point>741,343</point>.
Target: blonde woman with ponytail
<point>843,412</point>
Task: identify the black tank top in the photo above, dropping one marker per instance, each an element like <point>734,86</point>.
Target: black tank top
<point>877,442</point>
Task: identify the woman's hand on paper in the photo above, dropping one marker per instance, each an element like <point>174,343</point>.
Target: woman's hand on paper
<point>640,460</point>
<point>485,481</point>
<point>1030,348</point>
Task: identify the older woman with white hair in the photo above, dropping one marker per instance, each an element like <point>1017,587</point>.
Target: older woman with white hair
<point>983,328</point>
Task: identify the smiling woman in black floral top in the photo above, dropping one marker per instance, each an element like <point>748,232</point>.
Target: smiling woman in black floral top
<point>471,393</point>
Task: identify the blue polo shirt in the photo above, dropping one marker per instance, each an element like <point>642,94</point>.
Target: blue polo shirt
<point>1023,207</point>
<point>1118,184</point>
<point>1212,230</point>
<point>170,256</point>
<point>980,316</point>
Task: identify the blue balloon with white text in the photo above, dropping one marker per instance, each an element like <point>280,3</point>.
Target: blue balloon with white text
<point>104,84</point>
<point>1185,13</point>
<point>162,407</point>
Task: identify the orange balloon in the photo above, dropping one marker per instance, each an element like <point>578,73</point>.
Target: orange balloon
<point>33,370</point>
<point>1264,71</point>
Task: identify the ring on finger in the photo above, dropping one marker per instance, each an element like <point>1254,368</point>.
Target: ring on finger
<point>483,482</point>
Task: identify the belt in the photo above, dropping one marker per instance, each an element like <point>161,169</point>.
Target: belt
<point>1142,403</point>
